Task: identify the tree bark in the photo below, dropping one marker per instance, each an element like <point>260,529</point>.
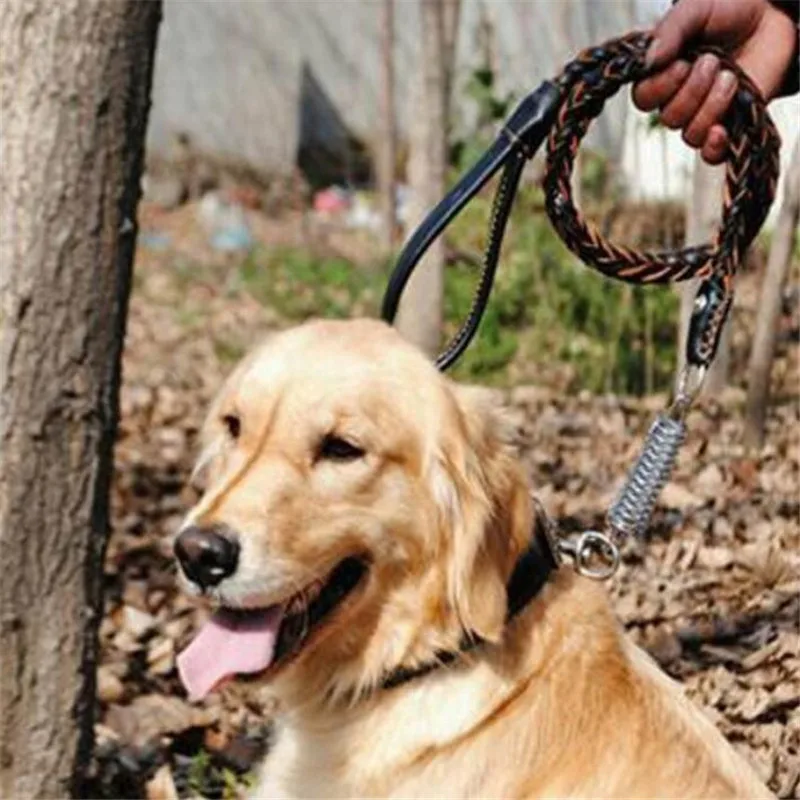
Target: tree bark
<point>387,147</point>
<point>769,306</point>
<point>451,21</point>
<point>420,314</point>
<point>75,78</point>
<point>703,216</point>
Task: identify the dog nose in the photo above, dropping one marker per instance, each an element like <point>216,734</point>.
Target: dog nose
<point>206,556</point>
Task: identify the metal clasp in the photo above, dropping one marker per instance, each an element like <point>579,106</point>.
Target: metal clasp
<point>690,382</point>
<point>594,554</point>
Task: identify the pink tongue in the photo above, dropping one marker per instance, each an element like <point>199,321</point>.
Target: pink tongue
<point>230,643</point>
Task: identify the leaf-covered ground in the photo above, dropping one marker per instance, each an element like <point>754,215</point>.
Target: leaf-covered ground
<point>713,593</point>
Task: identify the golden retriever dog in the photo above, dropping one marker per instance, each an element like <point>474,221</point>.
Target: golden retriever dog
<point>362,519</point>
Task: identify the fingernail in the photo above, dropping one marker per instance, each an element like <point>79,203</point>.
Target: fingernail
<point>718,139</point>
<point>727,81</point>
<point>653,52</point>
<point>708,63</point>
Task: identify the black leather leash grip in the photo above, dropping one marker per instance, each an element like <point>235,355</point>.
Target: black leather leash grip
<point>524,132</point>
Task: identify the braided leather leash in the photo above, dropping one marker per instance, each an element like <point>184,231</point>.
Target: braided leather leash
<point>751,177</point>
<point>561,112</point>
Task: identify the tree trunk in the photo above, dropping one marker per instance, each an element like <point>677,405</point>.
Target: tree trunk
<point>387,147</point>
<point>75,78</point>
<point>769,306</point>
<point>451,20</point>
<point>420,315</point>
<point>703,215</point>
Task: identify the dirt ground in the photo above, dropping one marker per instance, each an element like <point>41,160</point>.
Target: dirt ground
<point>713,593</point>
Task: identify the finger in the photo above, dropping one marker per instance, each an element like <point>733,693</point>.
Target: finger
<point>716,145</point>
<point>682,108</point>
<point>679,25</point>
<point>657,90</point>
<point>712,109</point>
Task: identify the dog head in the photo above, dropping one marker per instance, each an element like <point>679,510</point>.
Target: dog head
<point>361,512</point>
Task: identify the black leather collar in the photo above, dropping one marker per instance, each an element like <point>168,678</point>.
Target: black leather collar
<point>531,573</point>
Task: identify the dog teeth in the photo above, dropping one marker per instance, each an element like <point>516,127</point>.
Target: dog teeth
<point>301,601</point>
<point>314,589</point>
<point>296,604</point>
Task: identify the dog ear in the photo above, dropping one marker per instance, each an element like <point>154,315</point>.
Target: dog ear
<point>485,507</point>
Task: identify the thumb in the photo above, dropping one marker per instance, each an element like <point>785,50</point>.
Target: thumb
<point>766,57</point>
<point>681,23</point>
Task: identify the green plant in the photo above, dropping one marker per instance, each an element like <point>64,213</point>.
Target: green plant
<point>228,350</point>
<point>199,769</point>
<point>596,177</point>
<point>208,777</point>
<point>496,343</point>
<point>547,307</point>
<point>299,284</point>
<point>232,785</point>
<point>489,108</point>
<point>546,312</point>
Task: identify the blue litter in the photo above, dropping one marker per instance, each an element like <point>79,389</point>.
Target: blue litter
<point>154,240</point>
<point>233,237</point>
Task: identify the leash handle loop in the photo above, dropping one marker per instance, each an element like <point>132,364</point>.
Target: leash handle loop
<point>522,135</point>
<point>752,170</point>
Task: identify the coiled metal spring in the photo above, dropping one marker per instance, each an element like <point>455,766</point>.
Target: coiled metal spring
<point>631,511</point>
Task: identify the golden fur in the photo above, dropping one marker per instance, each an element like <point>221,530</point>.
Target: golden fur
<point>559,704</point>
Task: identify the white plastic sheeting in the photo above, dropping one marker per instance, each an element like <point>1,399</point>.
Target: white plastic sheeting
<point>258,80</point>
<point>657,164</point>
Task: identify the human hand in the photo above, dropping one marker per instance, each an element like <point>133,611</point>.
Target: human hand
<point>759,37</point>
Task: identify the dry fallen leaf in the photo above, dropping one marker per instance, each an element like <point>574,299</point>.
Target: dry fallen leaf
<point>709,482</point>
<point>674,495</point>
<point>161,786</point>
<point>151,716</point>
<point>714,558</point>
<point>161,656</point>
<point>110,688</point>
<point>752,704</point>
<point>137,623</point>
<point>761,656</point>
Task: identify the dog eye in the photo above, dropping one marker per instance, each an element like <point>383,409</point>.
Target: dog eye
<point>233,425</point>
<point>337,449</point>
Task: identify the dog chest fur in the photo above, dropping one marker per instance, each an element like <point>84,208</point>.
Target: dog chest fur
<point>565,707</point>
